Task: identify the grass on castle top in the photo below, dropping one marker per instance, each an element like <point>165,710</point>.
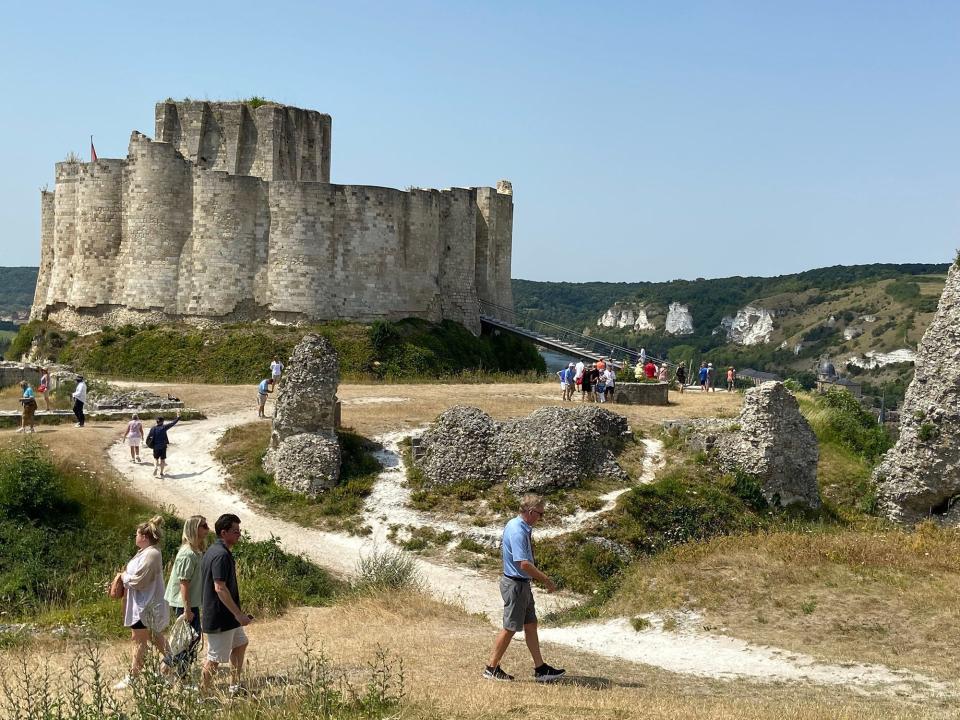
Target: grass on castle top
<point>241,451</point>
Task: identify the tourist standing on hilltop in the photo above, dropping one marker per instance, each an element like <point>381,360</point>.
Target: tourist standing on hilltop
<point>221,617</point>
<point>133,436</point>
<point>586,387</point>
<point>44,388</point>
<point>681,376</point>
<point>662,373</point>
<point>711,378</point>
<point>519,611</point>
<point>600,391</point>
<point>578,377</point>
<point>566,381</point>
<point>157,440</point>
<point>79,399</point>
<point>276,370</point>
<point>650,370</point>
<point>184,588</point>
<point>702,376</point>
<point>731,379</point>
<point>611,379</point>
<point>145,612</point>
<point>28,405</point>
<point>265,386</point>
<point>594,374</point>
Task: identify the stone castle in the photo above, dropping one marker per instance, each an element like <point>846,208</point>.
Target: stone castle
<point>229,215</point>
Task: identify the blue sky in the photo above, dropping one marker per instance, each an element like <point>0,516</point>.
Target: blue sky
<point>645,141</point>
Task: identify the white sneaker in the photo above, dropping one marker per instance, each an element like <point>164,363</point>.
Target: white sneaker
<point>19,430</point>
<point>123,684</point>
<point>237,691</point>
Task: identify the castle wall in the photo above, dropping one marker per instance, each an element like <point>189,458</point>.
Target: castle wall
<point>457,271</point>
<point>231,218</point>
<point>157,219</point>
<point>47,219</point>
<point>219,261</point>
<point>272,142</point>
<point>494,244</point>
<point>64,231</point>
<point>98,230</point>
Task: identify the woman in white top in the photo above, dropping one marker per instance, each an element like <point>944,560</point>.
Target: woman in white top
<point>133,436</point>
<point>145,612</point>
<point>44,387</point>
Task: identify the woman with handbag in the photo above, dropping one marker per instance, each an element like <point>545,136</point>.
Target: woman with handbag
<point>146,612</point>
<point>44,388</point>
<point>29,404</point>
<point>184,593</point>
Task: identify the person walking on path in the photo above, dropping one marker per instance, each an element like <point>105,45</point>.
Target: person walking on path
<point>221,617</point>
<point>184,588</point>
<point>133,436</point>
<point>145,612</point>
<point>731,379</point>
<point>681,376</point>
<point>711,378</point>
<point>28,403</point>
<point>79,399</point>
<point>265,386</point>
<point>578,376</point>
<point>519,611</point>
<point>703,377</point>
<point>586,388</point>
<point>157,440</point>
<point>276,370</point>
<point>44,387</point>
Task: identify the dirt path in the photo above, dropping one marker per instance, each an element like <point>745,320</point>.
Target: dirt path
<point>197,484</point>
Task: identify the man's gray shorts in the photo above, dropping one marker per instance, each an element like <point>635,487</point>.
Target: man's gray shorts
<point>518,608</point>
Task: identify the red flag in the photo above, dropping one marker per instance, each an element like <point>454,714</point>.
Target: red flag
<point>93,151</point>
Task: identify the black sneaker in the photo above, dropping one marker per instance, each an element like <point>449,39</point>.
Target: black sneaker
<point>496,674</point>
<point>545,673</point>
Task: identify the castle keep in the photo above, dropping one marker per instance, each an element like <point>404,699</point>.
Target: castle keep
<point>229,215</point>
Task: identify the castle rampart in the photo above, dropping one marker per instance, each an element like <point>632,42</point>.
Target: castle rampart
<point>231,216</point>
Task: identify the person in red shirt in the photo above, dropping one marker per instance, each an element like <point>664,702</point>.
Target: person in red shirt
<point>650,370</point>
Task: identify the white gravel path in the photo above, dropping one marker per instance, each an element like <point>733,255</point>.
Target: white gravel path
<point>197,484</point>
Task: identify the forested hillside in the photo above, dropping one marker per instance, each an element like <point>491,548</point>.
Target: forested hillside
<point>16,291</point>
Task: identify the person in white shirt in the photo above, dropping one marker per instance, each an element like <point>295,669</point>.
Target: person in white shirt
<point>578,376</point>
<point>79,398</point>
<point>276,370</point>
<point>610,376</point>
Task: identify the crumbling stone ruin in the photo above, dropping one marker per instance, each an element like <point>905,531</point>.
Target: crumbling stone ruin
<point>920,475</point>
<point>304,454</point>
<point>770,441</point>
<point>229,215</point>
<point>552,448</point>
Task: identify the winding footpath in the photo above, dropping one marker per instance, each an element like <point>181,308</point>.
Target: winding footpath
<point>197,484</point>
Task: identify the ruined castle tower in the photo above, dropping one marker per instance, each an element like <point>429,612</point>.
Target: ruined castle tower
<point>229,215</point>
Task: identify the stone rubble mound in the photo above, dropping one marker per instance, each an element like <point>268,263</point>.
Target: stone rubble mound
<point>770,440</point>
<point>132,399</point>
<point>919,476</point>
<point>304,454</point>
<point>552,448</point>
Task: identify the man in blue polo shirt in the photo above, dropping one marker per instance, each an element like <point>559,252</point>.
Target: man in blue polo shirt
<point>518,607</point>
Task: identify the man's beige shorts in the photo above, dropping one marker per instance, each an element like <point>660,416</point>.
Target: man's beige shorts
<point>221,644</point>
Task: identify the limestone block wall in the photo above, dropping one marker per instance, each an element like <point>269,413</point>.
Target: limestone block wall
<point>227,242</point>
<point>98,232</point>
<point>230,218</point>
<point>157,220</point>
<point>47,218</point>
<point>272,142</point>
<point>494,243</point>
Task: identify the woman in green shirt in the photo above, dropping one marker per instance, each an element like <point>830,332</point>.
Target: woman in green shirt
<point>184,589</point>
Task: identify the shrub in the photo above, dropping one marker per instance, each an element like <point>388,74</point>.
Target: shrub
<point>387,569</point>
<point>927,431</point>
<point>839,418</point>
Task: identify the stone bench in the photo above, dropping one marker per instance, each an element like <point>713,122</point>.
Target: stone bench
<point>634,393</point>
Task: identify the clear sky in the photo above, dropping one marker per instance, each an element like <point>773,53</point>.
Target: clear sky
<point>644,140</point>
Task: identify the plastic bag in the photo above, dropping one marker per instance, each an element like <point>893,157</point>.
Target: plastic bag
<point>181,636</point>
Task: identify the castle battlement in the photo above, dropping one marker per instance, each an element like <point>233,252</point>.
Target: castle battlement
<point>229,215</point>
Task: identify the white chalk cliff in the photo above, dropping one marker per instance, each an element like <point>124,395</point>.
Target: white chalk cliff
<point>752,325</point>
<point>679,320</point>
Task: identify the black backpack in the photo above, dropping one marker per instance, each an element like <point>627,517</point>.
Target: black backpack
<point>149,441</point>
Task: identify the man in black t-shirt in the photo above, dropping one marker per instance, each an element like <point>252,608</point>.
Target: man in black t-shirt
<point>220,617</point>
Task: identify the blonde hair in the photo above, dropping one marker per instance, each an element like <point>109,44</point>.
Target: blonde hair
<point>191,532</point>
<point>152,529</point>
<point>531,501</point>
